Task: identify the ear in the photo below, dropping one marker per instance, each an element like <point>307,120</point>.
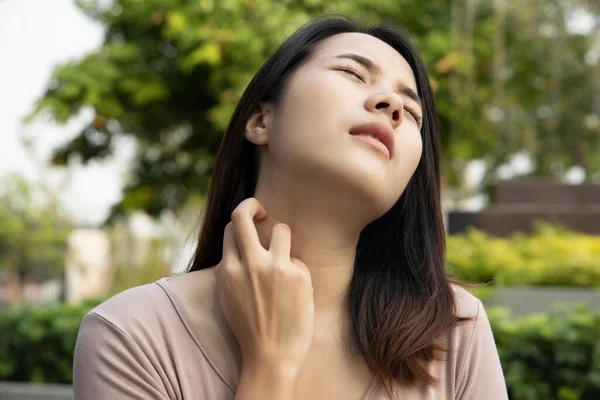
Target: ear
<point>257,127</point>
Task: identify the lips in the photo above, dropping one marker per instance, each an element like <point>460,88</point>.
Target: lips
<point>381,132</point>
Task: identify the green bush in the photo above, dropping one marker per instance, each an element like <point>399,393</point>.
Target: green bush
<point>37,342</point>
<point>550,356</point>
<point>552,256</point>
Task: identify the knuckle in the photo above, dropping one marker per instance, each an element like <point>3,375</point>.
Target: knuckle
<point>306,276</point>
<point>237,214</point>
<point>299,274</point>
<point>281,227</point>
<point>303,272</point>
<point>280,269</point>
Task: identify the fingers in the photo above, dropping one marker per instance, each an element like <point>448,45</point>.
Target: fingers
<point>230,247</point>
<point>246,235</point>
<point>281,242</point>
<point>300,265</point>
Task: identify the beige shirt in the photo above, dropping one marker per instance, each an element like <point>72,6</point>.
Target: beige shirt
<point>142,344</point>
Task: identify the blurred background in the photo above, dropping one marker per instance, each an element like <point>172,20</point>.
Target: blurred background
<point>111,113</point>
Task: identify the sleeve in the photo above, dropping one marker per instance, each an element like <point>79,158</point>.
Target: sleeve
<point>480,376</point>
<point>109,365</point>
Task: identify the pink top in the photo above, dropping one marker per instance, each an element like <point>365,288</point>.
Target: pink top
<point>142,344</point>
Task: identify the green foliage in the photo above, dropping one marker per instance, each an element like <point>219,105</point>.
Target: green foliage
<point>37,343</point>
<point>552,256</point>
<point>33,237</point>
<point>550,356</point>
<point>170,72</point>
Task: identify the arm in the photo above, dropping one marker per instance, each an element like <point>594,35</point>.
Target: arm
<point>480,376</point>
<point>109,365</point>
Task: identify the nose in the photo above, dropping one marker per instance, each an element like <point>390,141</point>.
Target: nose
<point>389,103</point>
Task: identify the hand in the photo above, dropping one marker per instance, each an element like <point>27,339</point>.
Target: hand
<point>266,296</point>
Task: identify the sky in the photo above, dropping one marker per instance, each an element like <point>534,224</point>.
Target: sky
<point>35,36</point>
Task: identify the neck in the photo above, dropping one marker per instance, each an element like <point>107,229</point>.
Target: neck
<point>324,236</point>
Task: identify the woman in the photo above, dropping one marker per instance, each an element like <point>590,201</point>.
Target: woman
<point>319,271</point>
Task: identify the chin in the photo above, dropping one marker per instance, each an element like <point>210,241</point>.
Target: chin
<point>376,198</point>
<point>382,196</point>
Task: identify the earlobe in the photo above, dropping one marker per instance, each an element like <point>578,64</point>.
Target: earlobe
<point>257,127</point>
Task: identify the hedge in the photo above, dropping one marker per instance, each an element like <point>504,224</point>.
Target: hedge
<point>550,356</point>
<point>544,356</point>
<point>37,342</point>
<point>551,257</point>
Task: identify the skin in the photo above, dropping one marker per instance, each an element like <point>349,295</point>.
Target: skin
<point>289,251</point>
<point>319,180</point>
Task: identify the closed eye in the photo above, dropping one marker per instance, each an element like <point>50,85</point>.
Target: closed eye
<point>352,71</point>
<point>415,115</point>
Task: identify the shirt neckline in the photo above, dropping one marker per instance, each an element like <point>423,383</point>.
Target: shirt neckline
<point>186,319</point>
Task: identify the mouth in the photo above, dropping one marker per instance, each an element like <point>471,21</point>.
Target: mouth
<point>378,135</point>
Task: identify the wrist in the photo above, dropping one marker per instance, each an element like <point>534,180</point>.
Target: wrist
<point>272,369</point>
<point>267,380</point>
<point>271,361</point>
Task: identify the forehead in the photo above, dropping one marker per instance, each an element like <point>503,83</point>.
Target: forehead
<point>382,54</point>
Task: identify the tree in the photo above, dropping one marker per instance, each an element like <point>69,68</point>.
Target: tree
<point>170,72</point>
<point>33,237</point>
<point>532,82</point>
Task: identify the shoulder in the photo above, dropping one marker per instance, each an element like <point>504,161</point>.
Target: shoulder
<point>478,372</point>
<point>118,349</point>
<point>467,305</point>
<point>477,368</point>
<point>196,289</point>
<point>473,327</point>
<point>151,336</point>
<point>177,309</point>
<point>137,320</point>
<point>141,305</point>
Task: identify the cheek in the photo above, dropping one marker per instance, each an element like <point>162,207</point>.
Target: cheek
<point>311,114</point>
<point>418,148</point>
<point>313,99</point>
<point>410,147</point>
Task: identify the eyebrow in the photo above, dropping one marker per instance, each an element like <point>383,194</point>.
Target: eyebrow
<point>375,69</point>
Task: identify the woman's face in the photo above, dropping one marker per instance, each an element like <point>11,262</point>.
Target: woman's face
<point>314,131</point>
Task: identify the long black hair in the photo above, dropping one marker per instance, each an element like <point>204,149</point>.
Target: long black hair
<point>401,300</point>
